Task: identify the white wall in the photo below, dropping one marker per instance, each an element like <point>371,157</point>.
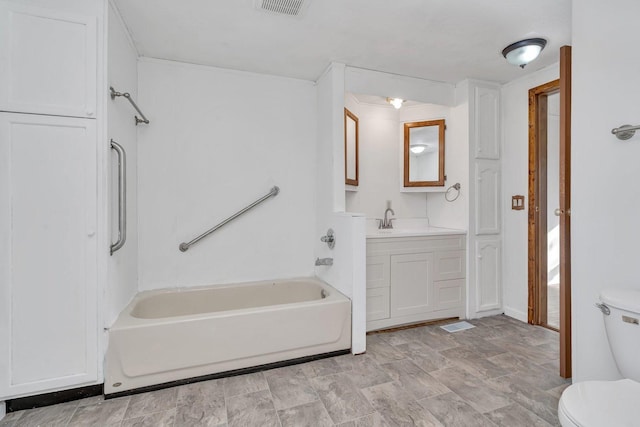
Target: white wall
<point>553,159</point>
<point>381,163</point>
<point>605,173</point>
<point>380,155</point>
<point>441,212</point>
<point>358,80</point>
<point>347,274</point>
<point>442,98</point>
<point>515,180</point>
<point>122,74</point>
<point>218,140</point>
<point>553,188</point>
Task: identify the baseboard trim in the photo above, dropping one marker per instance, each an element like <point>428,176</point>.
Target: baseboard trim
<point>225,374</point>
<point>53,398</point>
<point>516,314</point>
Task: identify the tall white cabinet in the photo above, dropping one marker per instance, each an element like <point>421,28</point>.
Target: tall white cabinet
<point>49,168</point>
<point>485,196</point>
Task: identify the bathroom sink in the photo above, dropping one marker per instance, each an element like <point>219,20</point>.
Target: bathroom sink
<point>407,227</point>
<point>408,232</point>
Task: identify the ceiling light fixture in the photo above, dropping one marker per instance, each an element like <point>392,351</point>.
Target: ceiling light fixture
<point>418,149</point>
<point>522,52</point>
<point>396,102</point>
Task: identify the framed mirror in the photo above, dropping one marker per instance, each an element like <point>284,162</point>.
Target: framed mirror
<point>350,148</point>
<point>424,154</point>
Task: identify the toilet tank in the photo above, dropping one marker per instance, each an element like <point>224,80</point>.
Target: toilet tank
<point>623,329</point>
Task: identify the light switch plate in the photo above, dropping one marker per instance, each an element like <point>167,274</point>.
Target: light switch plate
<point>517,203</point>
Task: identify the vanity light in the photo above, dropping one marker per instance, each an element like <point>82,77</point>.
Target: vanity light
<point>522,52</point>
<point>418,149</point>
<point>396,102</point>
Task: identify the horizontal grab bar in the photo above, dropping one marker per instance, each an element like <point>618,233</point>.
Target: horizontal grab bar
<point>272,193</point>
<point>115,93</point>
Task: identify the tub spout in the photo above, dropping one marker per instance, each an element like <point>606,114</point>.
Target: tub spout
<point>324,261</point>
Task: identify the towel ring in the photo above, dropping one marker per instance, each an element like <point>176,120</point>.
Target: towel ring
<point>456,187</point>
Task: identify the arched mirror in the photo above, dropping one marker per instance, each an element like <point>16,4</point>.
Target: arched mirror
<point>424,154</point>
<point>350,148</point>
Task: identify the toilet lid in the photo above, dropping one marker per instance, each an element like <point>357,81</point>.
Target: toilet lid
<point>602,403</point>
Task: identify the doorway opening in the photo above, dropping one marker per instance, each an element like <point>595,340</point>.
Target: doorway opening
<point>544,224</point>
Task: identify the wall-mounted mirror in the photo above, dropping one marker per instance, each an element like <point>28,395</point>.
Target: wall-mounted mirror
<point>424,154</point>
<point>350,148</point>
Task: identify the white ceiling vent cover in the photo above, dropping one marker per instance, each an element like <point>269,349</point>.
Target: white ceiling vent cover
<point>282,7</point>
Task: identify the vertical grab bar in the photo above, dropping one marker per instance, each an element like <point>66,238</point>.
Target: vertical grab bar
<point>122,196</point>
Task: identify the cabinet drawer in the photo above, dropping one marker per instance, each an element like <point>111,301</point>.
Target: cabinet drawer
<point>377,304</point>
<point>449,265</point>
<point>449,293</point>
<point>378,271</point>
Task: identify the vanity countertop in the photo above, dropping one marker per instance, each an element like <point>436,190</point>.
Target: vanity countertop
<point>412,232</point>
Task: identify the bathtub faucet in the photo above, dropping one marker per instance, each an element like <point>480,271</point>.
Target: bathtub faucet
<point>324,261</point>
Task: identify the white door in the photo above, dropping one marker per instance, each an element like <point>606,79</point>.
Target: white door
<point>47,61</point>
<point>48,279</point>
<point>411,284</point>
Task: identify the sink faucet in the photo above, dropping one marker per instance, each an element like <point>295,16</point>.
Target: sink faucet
<point>386,222</point>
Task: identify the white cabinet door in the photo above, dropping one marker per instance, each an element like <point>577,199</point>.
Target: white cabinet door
<point>47,61</point>
<point>377,304</point>
<point>411,284</point>
<point>487,123</point>
<point>48,279</point>
<point>488,275</point>
<point>378,271</point>
<point>487,201</point>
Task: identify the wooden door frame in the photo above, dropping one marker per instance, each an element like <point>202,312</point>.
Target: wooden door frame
<point>537,97</point>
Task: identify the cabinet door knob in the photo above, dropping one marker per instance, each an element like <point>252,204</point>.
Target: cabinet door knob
<point>557,212</point>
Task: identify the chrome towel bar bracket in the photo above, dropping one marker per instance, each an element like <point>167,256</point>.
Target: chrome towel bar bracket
<point>115,93</point>
<point>625,132</point>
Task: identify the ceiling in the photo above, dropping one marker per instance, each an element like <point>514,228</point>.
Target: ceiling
<point>381,100</point>
<point>442,40</point>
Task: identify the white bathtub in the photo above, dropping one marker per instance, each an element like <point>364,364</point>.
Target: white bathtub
<point>170,335</point>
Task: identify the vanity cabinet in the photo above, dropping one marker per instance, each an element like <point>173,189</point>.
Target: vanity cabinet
<point>414,279</point>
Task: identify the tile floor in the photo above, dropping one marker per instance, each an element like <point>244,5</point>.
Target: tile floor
<point>501,373</point>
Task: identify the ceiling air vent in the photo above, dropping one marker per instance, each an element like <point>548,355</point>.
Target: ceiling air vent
<point>282,7</point>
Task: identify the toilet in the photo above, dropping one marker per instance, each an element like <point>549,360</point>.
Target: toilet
<point>610,403</point>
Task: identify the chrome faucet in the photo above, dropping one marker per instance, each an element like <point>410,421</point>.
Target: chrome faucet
<point>387,222</point>
<point>324,261</point>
